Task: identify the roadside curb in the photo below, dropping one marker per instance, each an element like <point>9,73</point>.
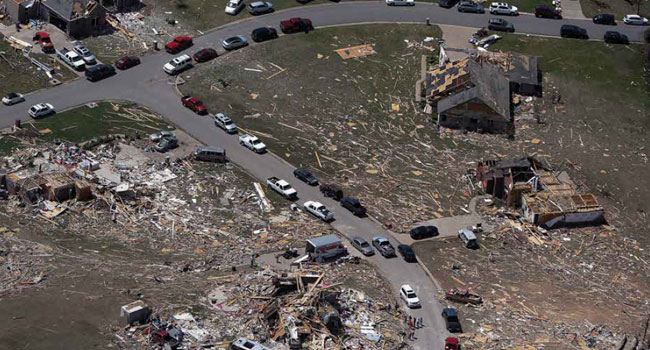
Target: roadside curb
<point>426,270</point>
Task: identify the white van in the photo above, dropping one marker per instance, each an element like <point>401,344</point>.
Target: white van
<point>468,238</point>
<point>178,64</point>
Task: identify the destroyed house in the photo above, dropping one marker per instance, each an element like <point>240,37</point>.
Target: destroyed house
<point>471,95</point>
<point>58,187</point>
<point>507,178</point>
<point>77,18</point>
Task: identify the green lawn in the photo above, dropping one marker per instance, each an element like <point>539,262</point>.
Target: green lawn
<point>618,7</point>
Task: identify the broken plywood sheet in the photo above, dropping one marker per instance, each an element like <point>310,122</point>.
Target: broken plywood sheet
<point>356,51</point>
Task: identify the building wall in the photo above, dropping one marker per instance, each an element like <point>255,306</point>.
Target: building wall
<point>473,116</point>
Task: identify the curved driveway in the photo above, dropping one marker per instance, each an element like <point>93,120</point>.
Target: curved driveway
<point>149,86</point>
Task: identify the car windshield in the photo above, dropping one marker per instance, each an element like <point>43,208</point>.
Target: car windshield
<point>232,4</point>
<point>410,295</point>
<point>198,103</point>
<point>12,95</point>
<point>227,122</point>
<point>364,244</point>
<point>255,141</point>
<point>384,243</point>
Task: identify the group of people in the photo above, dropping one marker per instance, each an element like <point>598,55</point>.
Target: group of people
<point>413,324</point>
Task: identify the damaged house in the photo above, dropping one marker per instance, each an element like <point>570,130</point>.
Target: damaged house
<point>475,93</point>
<point>546,199</point>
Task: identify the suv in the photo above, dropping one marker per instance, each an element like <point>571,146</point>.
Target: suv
<point>353,205</point>
<point>263,34</point>
<point>501,25</point>
<point>408,294</point>
<point>571,31</point>
<point>407,253</point>
<point>178,64</point>
<point>295,25</point>
<point>501,8</point>
<point>605,18</point>
<point>99,72</point>
<point>85,54</point>
<point>221,120</point>
<point>612,37</point>
<point>470,6</point>
<point>543,11</point>
<point>468,238</point>
<point>451,320</point>
<point>422,232</point>
<point>179,44</point>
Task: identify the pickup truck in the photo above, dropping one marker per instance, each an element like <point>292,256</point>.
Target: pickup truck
<point>319,210</point>
<point>282,187</point>
<point>252,142</point>
<point>71,58</point>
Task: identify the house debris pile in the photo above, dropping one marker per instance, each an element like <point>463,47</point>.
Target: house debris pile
<point>118,189</point>
<point>22,263</point>
<point>305,308</point>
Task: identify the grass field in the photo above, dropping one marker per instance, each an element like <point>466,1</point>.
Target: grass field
<point>618,7</point>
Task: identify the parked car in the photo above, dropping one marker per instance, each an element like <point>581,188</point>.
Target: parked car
<point>282,187</point>
<point>635,20</point>
<point>44,41</point>
<point>252,142</point>
<point>99,72</point>
<point>12,98</point>
<point>407,253</point>
<point>353,205</point>
<point>210,154</point>
<point>305,176</point>
<point>260,8</point>
<point>331,191</point>
<point>234,43</point>
<point>612,37</point>
<point>127,62</point>
<point>400,2</point>
<point>221,120</point>
<point>452,343</point>
<point>162,134</point>
<point>363,246</point>
<point>383,246</point>
<point>422,232</point>
<point>571,31</point>
<point>408,295</point>
<point>234,6</point>
<point>263,34</point>
<point>41,110</point>
<point>470,6</point>
<point>544,11</point>
<point>205,55</point>
<point>179,44</point>
<point>451,320</point>
<point>501,25</point>
<point>447,3</point>
<point>468,238</point>
<point>605,18</point>
<point>295,25</point>
<point>501,8</point>
<point>178,64</point>
<point>166,144</point>
<point>319,210</point>
<point>71,58</point>
<point>194,104</point>
<point>85,54</point>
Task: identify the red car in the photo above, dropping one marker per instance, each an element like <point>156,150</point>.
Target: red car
<point>205,55</point>
<point>295,25</point>
<point>451,343</point>
<point>127,62</point>
<point>44,41</point>
<point>194,104</point>
<point>179,44</point>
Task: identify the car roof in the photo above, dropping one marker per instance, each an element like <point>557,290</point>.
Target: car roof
<point>379,238</point>
<point>407,288</point>
<point>449,311</point>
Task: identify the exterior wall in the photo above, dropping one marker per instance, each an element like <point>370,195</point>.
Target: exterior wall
<point>473,120</point>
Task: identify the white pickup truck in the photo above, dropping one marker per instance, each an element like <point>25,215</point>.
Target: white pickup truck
<point>282,187</point>
<point>71,58</point>
<point>252,142</point>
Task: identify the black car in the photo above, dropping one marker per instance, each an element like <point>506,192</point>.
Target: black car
<point>451,320</point>
<point>305,176</point>
<point>264,34</point>
<point>605,18</point>
<point>407,253</point>
<point>447,3</point>
<point>99,72</point>
<point>501,25</point>
<point>470,6</point>
<point>353,205</point>
<point>422,232</point>
<point>205,55</point>
<point>571,31</point>
<point>613,37</point>
<point>544,11</point>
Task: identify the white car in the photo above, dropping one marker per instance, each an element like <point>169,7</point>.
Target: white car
<point>234,6</point>
<point>221,120</point>
<point>635,20</point>
<point>41,110</point>
<point>12,98</point>
<point>85,54</point>
<point>177,64</point>
<point>252,142</point>
<point>501,8</point>
<point>408,294</point>
<point>319,210</point>
<point>400,2</point>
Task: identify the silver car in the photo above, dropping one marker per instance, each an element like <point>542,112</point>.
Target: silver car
<point>260,8</point>
<point>234,43</point>
<point>363,246</point>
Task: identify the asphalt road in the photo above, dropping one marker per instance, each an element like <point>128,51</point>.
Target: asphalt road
<point>149,86</point>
